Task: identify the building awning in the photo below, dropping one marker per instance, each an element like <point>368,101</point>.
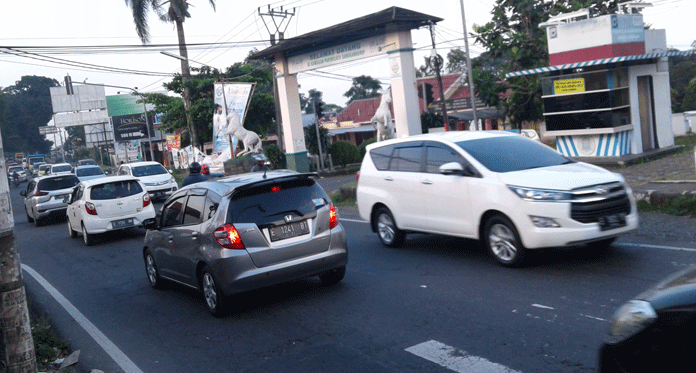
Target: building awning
<point>340,131</point>
<point>603,61</point>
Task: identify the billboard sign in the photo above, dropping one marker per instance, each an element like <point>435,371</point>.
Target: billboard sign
<point>131,127</point>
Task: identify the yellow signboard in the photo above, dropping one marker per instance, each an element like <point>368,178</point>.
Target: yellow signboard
<point>564,86</point>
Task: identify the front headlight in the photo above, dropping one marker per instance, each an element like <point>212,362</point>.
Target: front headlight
<point>630,319</point>
<point>540,195</point>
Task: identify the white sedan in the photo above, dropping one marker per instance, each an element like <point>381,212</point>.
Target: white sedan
<point>107,204</point>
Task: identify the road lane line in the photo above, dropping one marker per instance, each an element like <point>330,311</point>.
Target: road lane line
<point>456,360</point>
<point>116,354</point>
<point>656,246</point>
<point>594,318</point>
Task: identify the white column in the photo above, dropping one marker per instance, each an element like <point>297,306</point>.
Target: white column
<point>403,84</point>
<point>291,115</point>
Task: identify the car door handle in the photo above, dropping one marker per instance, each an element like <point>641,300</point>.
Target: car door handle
<point>170,237</point>
<point>389,178</point>
<point>426,182</point>
<point>194,235</point>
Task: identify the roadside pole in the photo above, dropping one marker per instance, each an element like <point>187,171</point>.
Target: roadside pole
<point>16,343</point>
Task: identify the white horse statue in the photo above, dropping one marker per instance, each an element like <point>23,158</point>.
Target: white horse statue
<point>252,141</point>
<point>382,121</point>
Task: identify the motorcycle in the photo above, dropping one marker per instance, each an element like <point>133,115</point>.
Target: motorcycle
<point>15,182</point>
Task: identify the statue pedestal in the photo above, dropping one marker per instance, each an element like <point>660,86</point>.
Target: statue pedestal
<point>239,165</point>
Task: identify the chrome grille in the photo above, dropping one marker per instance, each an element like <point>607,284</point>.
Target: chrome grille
<point>591,203</point>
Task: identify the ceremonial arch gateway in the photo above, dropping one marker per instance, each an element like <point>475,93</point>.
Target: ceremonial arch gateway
<point>385,32</point>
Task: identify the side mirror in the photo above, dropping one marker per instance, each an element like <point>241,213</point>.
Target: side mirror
<point>170,171</point>
<point>106,172</point>
<point>23,193</point>
<point>150,223</point>
<point>451,168</point>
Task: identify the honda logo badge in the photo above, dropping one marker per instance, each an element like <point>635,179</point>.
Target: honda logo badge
<point>602,191</point>
<point>288,218</point>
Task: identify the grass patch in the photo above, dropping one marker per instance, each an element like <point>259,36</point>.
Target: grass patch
<point>339,200</point>
<point>689,141</point>
<point>680,206</point>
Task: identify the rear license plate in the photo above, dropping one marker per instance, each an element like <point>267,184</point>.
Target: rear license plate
<point>123,223</point>
<point>612,222</point>
<point>282,232</point>
<point>62,197</point>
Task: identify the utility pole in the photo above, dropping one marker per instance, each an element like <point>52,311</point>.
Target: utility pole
<point>436,63</point>
<point>469,68</point>
<point>316,126</point>
<point>284,16</point>
<point>16,343</point>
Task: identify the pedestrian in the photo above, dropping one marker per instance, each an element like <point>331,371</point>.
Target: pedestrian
<point>260,164</point>
<point>205,170</point>
<point>194,176</point>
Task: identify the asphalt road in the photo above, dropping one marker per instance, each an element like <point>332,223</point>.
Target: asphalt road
<point>436,301</point>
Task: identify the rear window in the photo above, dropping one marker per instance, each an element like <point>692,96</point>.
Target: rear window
<point>270,202</point>
<point>15,169</point>
<point>86,162</point>
<point>154,169</point>
<point>89,171</point>
<point>61,168</point>
<point>57,183</point>
<point>116,189</point>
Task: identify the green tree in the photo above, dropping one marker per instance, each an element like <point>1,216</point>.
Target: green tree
<point>431,120</point>
<point>313,96</point>
<point>689,102</point>
<point>456,61</point>
<point>176,12</point>
<point>513,36</point>
<point>363,145</point>
<point>681,70</point>
<point>343,153</point>
<point>363,87</point>
<point>275,156</point>
<point>24,107</point>
<point>310,134</point>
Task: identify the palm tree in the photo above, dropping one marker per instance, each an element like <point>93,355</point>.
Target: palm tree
<point>177,14</point>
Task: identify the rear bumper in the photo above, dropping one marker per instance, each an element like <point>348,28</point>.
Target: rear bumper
<point>102,225</point>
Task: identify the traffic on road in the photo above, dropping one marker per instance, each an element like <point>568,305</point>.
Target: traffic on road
<point>434,303</point>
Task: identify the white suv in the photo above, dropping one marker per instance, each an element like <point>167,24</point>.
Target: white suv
<point>510,192</point>
<point>158,180</point>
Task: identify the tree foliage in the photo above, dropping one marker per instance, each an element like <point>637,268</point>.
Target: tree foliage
<point>310,134</point>
<point>275,156</point>
<point>343,153</point>
<point>689,102</point>
<point>513,37</point>
<point>363,87</point>
<point>431,120</point>
<point>24,107</point>
<point>260,117</point>
<point>681,71</point>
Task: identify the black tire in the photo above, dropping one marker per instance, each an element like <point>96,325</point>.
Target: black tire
<point>29,218</point>
<point>38,222</point>
<point>503,242</point>
<point>153,276</point>
<point>71,231</point>
<point>86,237</point>
<point>602,245</point>
<point>387,231</point>
<point>333,277</point>
<point>213,297</point>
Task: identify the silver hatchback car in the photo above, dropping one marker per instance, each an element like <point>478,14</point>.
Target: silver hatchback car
<point>246,232</point>
<point>48,196</point>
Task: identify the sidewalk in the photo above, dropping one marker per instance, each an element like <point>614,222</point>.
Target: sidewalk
<point>663,175</point>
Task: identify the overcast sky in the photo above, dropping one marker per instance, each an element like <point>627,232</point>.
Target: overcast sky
<point>66,27</point>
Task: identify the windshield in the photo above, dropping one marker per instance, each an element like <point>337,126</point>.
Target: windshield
<point>35,160</point>
<point>116,189</point>
<point>15,169</point>
<point>62,168</point>
<point>89,171</point>
<point>56,183</point>
<point>153,169</point>
<point>512,153</point>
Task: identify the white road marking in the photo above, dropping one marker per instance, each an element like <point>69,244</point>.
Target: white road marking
<point>595,318</point>
<point>116,354</point>
<point>542,306</point>
<point>656,246</point>
<point>456,360</point>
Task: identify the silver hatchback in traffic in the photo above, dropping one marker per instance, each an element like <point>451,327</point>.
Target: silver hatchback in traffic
<point>246,232</point>
<point>48,196</point>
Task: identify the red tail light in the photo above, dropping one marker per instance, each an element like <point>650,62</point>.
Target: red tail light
<point>91,209</point>
<point>333,216</point>
<point>40,193</point>
<point>146,199</point>
<point>357,176</point>
<point>228,237</point>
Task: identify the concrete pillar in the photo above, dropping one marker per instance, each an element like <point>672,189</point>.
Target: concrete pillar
<point>403,83</point>
<point>293,133</point>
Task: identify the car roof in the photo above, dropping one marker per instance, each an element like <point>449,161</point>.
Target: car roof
<point>143,163</point>
<point>226,185</point>
<point>61,164</point>
<point>107,179</point>
<point>450,136</point>
<point>87,166</point>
